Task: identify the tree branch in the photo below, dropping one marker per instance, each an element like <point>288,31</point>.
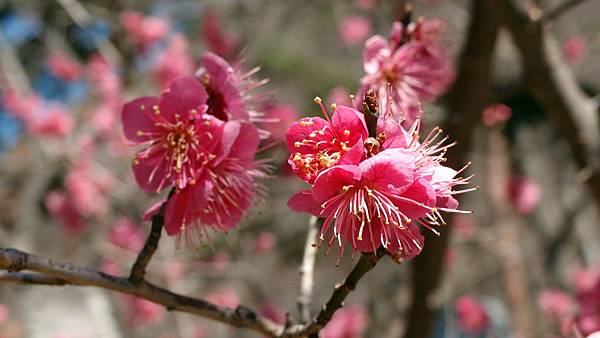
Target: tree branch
<point>556,88</point>
<point>31,278</point>
<point>14,260</point>
<point>307,270</point>
<point>365,264</point>
<point>138,270</point>
<point>467,99</point>
<point>554,13</point>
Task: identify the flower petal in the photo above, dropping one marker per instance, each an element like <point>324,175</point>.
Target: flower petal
<point>331,181</point>
<point>136,116</point>
<point>304,201</point>
<point>151,172</point>
<point>391,170</point>
<point>374,47</point>
<point>348,120</point>
<point>184,94</point>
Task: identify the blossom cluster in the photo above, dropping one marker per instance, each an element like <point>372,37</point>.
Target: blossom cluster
<point>577,314</point>
<point>373,181</point>
<point>198,138</point>
<point>410,68</point>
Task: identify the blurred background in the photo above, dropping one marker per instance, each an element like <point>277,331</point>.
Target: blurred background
<point>517,267</point>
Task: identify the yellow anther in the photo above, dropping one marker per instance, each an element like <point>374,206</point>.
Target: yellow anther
<point>333,106</point>
<point>346,132</point>
<point>317,100</point>
<point>297,144</point>
<point>306,123</point>
<point>142,107</point>
<point>139,133</point>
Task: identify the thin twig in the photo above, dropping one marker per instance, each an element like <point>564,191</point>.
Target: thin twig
<point>138,270</point>
<point>307,270</point>
<point>554,13</point>
<point>365,264</point>
<point>14,260</point>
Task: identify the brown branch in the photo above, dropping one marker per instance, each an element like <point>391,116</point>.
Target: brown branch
<point>556,88</point>
<point>467,99</point>
<point>14,260</point>
<point>365,264</point>
<point>31,278</point>
<point>307,270</point>
<point>138,270</point>
<point>554,13</point>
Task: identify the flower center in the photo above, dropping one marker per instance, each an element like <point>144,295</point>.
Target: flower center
<point>217,106</point>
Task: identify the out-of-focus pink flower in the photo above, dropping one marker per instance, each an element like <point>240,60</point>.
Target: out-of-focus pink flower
<point>347,322</point>
<point>60,207</point>
<point>144,31</point>
<point>111,267</point>
<point>464,226</point>
<point>574,48</point>
<point>355,29</point>
<point>594,335</point>
<point>585,279</point>
<point>417,70</point>
<point>264,242</point>
<point>88,190</point>
<point>64,67</point>
<point>104,77</point>
<point>340,96</point>
<point>524,193</point>
<point>557,304</point>
<point>227,297</point>
<point>273,312</point>
<point>40,117</point>
<point>316,144</point>
<point>217,41</point>
<point>126,234</point>
<point>220,261</point>
<point>496,114</point>
<point>278,119</point>
<point>174,270</point>
<point>4,313</point>
<point>143,312</point>
<point>472,315</point>
<point>173,62</point>
<point>200,332</point>
<point>366,4</point>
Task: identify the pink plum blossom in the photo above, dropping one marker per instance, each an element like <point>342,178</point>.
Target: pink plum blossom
<point>264,242</point>
<point>574,48</point>
<point>317,144</point>
<point>472,315</point>
<point>230,91</point>
<point>227,297</point>
<point>60,207</point>
<point>64,67</point>
<point>173,62</point>
<point>217,41</point>
<point>340,96</point>
<point>142,312</point>
<point>4,314</point>
<point>143,31</point>
<point>277,119</point>
<point>354,29</point>
<point>127,235</point>
<point>556,304</point>
<point>392,183</point>
<point>40,117</point>
<point>524,193</point>
<point>180,138</point>
<point>410,68</point>
<point>496,114</point>
<point>348,322</point>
